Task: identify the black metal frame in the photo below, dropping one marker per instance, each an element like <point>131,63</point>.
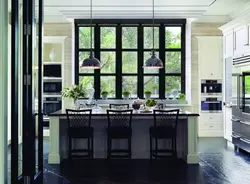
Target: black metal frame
<point>140,24</point>
<point>29,173</point>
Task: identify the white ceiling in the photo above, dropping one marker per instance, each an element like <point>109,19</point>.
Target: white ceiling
<point>201,10</point>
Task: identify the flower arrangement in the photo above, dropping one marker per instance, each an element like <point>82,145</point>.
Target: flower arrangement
<point>74,92</point>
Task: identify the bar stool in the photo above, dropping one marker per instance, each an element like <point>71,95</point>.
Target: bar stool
<point>120,106</point>
<point>119,127</point>
<point>79,127</point>
<point>165,127</point>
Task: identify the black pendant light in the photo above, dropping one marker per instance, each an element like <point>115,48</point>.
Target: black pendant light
<point>91,62</point>
<point>153,62</point>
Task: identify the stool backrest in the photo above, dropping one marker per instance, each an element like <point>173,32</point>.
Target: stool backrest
<point>79,118</point>
<point>166,118</point>
<point>119,118</point>
<point>119,106</point>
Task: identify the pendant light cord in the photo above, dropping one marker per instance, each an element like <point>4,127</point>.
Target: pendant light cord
<point>153,27</point>
<point>91,28</point>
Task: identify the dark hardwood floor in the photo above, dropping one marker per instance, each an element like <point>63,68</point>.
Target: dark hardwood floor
<point>218,165</point>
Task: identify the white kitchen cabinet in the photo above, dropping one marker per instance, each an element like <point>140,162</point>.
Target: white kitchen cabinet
<point>210,125</point>
<point>241,41</point>
<point>229,44</point>
<point>210,56</point>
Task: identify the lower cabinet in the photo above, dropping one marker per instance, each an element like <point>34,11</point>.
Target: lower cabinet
<point>210,125</point>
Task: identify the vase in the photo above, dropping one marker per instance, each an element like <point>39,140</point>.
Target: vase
<point>147,96</point>
<point>52,55</point>
<point>76,104</point>
<point>126,97</point>
<point>104,97</point>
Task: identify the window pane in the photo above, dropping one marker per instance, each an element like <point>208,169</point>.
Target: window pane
<point>108,37</point>
<point>152,83</point>
<point>84,37</point>
<point>172,83</point>
<point>129,37</point>
<point>173,62</point>
<point>129,83</point>
<point>86,81</point>
<point>147,55</point>
<point>108,62</point>
<point>148,37</point>
<point>173,37</point>
<point>82,56</point>
<point>129,62</point>
<point>108,84</point>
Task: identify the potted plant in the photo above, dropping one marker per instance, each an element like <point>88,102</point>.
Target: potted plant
<point>125,94</point>
<point>104,95</point>
<point>74,92</point>
<point>148,94</point>
<point>168,91</point>
<point>182,98</point>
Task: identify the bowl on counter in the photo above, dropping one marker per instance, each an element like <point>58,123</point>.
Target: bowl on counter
<point>136,106</point>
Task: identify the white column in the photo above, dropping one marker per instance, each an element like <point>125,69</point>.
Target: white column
<point>192,156</point>
<point>3,89</point>
<point>54,153</point>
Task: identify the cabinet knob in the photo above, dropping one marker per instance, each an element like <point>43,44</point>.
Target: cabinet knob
<point>211,74</point>
<point>210,126</point>
<point>210,117</point>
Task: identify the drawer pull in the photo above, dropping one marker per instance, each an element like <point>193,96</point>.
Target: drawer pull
<point>244,122</point>
<point>235,136</point>
<point>245,140</point>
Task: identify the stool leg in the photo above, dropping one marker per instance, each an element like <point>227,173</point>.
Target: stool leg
<point>150,139</point>
<point>69,149</point>
<point>129,147</point>
<point>175,147</point>
<point>156,146</point>
<point>89,150</point>
<point>108,150</point>
<point>92,147</point>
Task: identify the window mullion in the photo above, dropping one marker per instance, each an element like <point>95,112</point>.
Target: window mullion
<point>140,79</point>
<point>162,57</point>
<point>97,45</point>
<point>119,61</point>
<point>183,58</point>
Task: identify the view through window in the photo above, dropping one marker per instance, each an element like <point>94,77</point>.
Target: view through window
<point>123,50</point>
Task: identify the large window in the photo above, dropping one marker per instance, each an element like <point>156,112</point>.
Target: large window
<point>123,46</point>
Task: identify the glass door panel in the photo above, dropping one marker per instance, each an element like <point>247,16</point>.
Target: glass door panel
<point>246,92</point>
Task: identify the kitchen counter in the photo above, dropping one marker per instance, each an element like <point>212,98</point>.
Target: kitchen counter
<point>186,136</point>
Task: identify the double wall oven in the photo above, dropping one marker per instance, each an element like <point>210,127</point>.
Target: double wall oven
<point>240,103</point>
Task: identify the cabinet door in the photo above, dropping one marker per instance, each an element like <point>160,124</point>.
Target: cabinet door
<point>228,45</point>
<point>210,57</point>
<point>240,41</point>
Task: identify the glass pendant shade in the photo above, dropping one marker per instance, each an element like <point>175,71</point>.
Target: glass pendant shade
<point>91,63</point>
<point>153,62</point>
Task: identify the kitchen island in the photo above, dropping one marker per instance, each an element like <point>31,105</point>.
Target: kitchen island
<point>186,136</point>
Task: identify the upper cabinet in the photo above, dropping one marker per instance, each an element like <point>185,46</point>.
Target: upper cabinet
<point>241,41</point>
<point>229,44</point>
<point>210,56</point>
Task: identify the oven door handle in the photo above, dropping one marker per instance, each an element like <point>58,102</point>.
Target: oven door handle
<point>211,102</point>
<point>51,102</point>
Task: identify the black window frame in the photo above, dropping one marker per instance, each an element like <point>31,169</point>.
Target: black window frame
<point>140,24</point>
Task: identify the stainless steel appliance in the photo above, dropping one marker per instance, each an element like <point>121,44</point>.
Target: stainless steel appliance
<point>52,86</point>
<point>211,104</point>
<point>52,70</point>
<point>240,102</point>
<point>211,87</point>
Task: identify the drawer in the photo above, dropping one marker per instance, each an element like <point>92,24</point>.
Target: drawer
<point>211,126</point>
<point>211,118</point>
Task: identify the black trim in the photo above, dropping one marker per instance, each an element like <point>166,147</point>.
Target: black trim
<point>140,24</point>
<point>14,89</point>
